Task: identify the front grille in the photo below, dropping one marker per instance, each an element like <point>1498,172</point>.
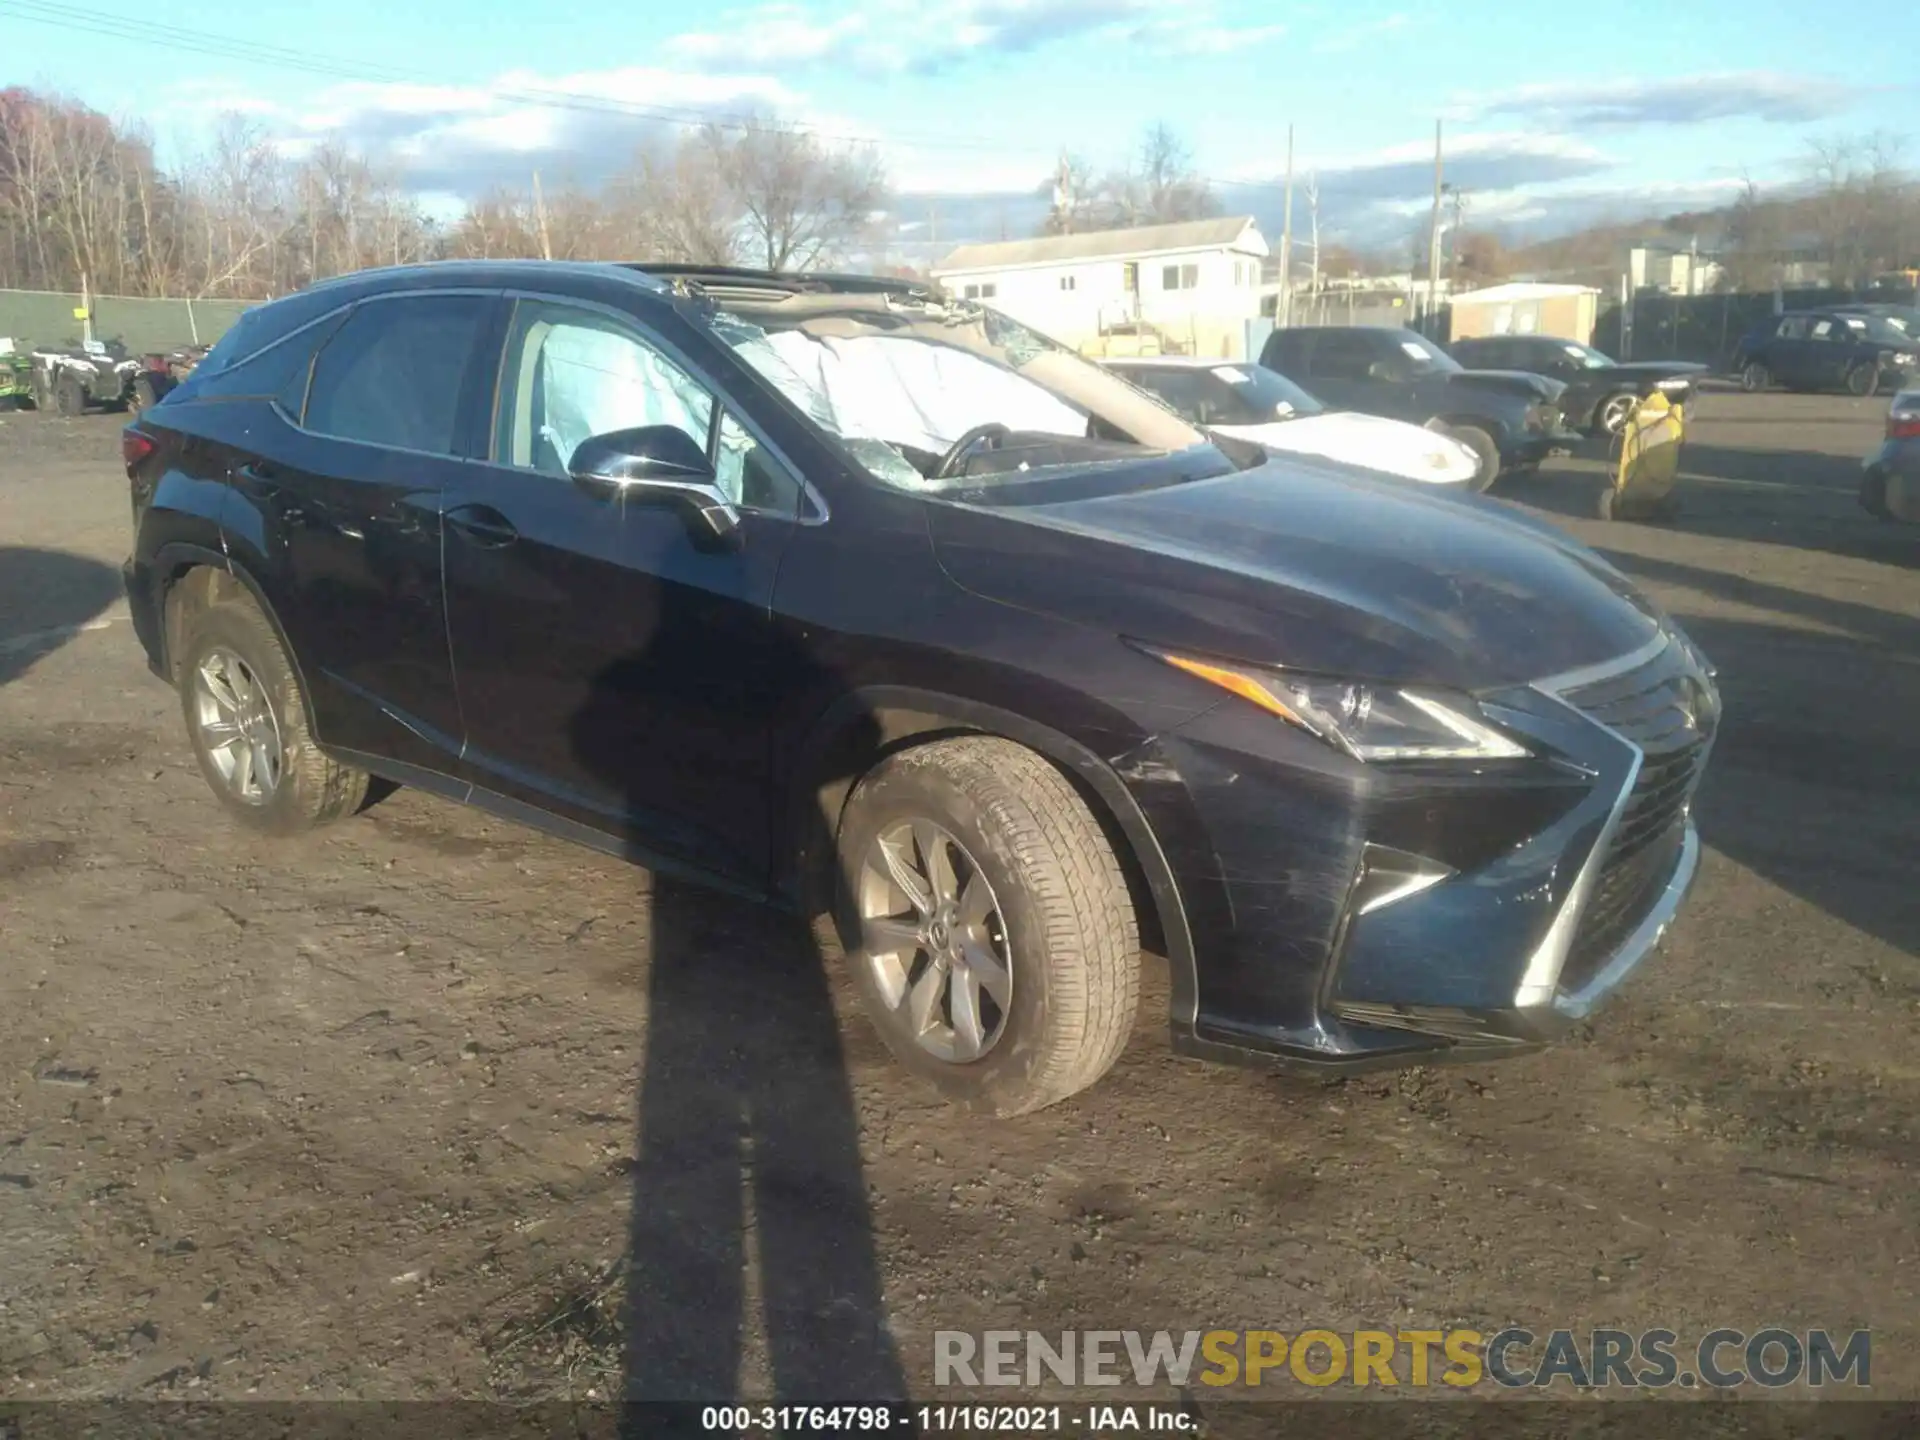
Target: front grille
<point>1668,709</point>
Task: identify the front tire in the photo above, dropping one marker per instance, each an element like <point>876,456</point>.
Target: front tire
<point>1863,380</point>
<point>142,396</point>
<point>989,928</point>
<point>69,397</point>
<point>1614,413</point>
<point>247,722</point>
<point>1484,450</point>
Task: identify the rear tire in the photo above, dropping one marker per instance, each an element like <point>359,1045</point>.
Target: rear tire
<point>1483,447</point>
<point>1029,1005</point>
<point>1755,378</point>
<point>1604,506</point>
<point>247,722</point>
<point>1873,494</point>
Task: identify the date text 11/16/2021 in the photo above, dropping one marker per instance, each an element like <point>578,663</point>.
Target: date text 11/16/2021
<point>1091,1420</point>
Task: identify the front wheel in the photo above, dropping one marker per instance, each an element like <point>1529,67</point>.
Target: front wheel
<point>141,397</point>
<point>1863,380</point>
<point>69,396</point>
<point>247,723</point>
<point>1485,451</point>
<point>1615,411</point>
<point>990,931</point>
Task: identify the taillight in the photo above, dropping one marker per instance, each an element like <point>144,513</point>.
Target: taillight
<point>1904,427</point>
<point>135,447</point>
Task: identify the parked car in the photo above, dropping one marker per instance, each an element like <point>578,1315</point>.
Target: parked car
<point>1890,483</point>
<point>1508,418</point>
<point>849,594</point>
<point>1827,350</point>
<point>1906,317</point>
<point>1251,402</point>
<point>1601,392</point>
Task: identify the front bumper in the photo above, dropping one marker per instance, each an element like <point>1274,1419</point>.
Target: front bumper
<point>1452,918</point>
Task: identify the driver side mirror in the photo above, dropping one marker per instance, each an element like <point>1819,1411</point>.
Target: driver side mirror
<point>656,464</point>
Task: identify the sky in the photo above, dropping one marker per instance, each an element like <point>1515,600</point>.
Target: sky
<point>1551,118</point>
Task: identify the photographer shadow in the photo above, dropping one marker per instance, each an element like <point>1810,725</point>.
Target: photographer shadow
<point>749,1192</point>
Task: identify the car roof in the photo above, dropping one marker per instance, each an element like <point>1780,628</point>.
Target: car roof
<point>659,278</point>
<point>1176,362</point>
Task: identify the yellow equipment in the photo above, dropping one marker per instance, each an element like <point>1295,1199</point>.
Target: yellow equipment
<point>1647,463</point>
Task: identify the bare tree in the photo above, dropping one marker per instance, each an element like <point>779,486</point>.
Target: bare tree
<point>800,202</point>
<point>1076,198</point>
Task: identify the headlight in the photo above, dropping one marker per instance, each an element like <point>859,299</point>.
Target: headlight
<point>1369,722</point>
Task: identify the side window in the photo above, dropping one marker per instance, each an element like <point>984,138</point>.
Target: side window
<point>279,371</point>
<point>1792,328</point>
<point>1823,330</point>
<point>571,374</point>
<point>1341,355</point>
<point>391,374</point>
<point>1182,390</point>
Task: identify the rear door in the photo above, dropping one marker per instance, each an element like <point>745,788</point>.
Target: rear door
<point>348,515</point>
<point>615,665</point>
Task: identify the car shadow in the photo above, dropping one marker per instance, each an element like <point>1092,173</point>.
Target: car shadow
<point>750,1233</point>
<point>1815,777</point>
<point>1808,500</point>
<point>46,597</point>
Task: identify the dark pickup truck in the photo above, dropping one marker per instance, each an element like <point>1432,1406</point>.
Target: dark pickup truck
<point>1509,418</point>
<point>1601,391</point>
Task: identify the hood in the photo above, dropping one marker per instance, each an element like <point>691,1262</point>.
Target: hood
<point>1523,383</point>
<point>1659,369</point>
<point>1315,566</point>
<point>1393,446</point>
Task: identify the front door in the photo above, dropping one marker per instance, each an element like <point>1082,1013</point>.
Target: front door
<point>1341,367</point>
<point>612,658</point>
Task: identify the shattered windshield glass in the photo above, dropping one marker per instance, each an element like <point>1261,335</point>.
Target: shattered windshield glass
<point>898,384</point>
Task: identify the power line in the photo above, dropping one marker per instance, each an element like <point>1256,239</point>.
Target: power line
<point>305,62</point>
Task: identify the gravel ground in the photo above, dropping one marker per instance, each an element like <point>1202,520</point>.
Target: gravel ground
<point>395,1112</point>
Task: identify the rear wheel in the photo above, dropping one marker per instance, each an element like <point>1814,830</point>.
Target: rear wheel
<point>247,723</point>
<point>1485,451</point>
<point>990,932</point>
<point>1755,378</point>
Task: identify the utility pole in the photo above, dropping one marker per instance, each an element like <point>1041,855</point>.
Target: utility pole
<point>540,216</point>
<point>1285,307</point>
<point>1313,221</point>
<point>1459,226</point>
<point>1433,232</point>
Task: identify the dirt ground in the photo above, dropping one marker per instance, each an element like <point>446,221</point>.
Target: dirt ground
<point>395,1112</point>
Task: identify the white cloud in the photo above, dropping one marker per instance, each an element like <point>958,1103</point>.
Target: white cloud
<point>1676,100</point>
<point>1340,39</point>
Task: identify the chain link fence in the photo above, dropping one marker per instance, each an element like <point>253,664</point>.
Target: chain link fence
<point>44,319</point>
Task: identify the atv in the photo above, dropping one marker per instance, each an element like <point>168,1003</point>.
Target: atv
<point>66,382</point>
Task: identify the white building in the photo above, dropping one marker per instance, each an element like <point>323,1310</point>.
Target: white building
<point>1196,282</point>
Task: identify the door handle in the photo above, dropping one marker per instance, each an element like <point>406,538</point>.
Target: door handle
<point>482,525</point>
<point>255,478</point>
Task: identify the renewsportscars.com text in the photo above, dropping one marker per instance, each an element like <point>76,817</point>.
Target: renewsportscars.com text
<point>1769,1357</point>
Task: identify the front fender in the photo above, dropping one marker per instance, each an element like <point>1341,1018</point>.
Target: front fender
<point>874,720</point>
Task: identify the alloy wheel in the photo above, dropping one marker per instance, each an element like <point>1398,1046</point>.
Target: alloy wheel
<point>237,727</point>
<point>1616,412</point>
<point>934,941</point>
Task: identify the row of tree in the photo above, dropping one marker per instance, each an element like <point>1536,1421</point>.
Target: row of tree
<point>82,197</point>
